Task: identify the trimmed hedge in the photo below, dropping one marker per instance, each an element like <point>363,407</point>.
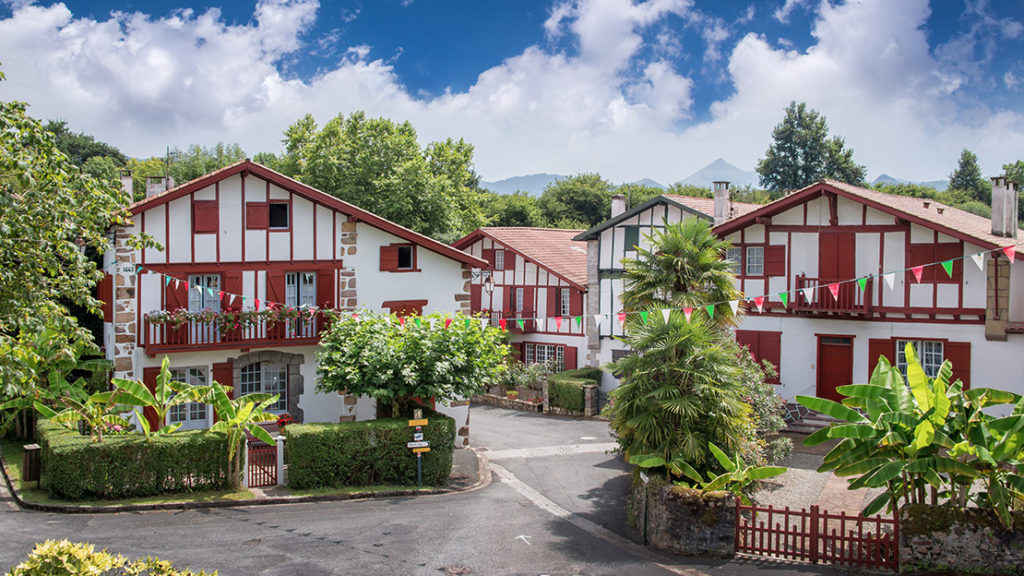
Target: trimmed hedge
<point>367,453</point>
<point>586,373</point>
<point>127,466</point>
<point>567,393</point>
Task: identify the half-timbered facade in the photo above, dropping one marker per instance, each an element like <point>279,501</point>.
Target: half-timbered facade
<point>535,283</point>
<point>244,239</point>
<point>849,274</point>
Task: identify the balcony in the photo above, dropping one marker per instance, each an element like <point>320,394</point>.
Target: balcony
<point>850,302</point>
<point>511,321</point>
<point>180,331</point>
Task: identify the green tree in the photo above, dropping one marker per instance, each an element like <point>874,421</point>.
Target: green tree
<point>637,194</point>
<point>377,356</point>
<point>80,147</point>
<point>679,189</point>
<point>967,178</point>
<point>515,209</point>
<point>201,160</point>
<point>585,198</point>
<point>379,166</point>
<point>142,169</point>
<point>801,153</point>
<point>1015,171</point>
<point>49,211</point>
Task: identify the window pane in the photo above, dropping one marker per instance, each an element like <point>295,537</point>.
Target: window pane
<point>733,255</point>
<point>755,260</point>
<point>499,259</point>
<point>405,257</point>
<point>307,289</point>
<point>632,237</point>
<point>291,290</point>
<point>519,300</point>
<point>278,215</point>
<point>564,311</point>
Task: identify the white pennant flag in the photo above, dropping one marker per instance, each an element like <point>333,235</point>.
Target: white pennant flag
<point>808,294</point>
<point>890,279</point>
<point>979,259</point>
<point>735,305</point>
<point>483,323</point>
<point>665,314</point>
<point>597,320</point>
<point>432,320</point>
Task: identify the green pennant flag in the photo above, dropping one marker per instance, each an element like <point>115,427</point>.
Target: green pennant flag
<point>139,269</point>
<point>579,321</point>
<point>784,296</point>
<point>520,323</point>
<point>711,310</point>
<point>468,320</point>
<point>948,267</point>
<point>417,321</point>
<point>863,283</point>
<point>167,280</point>
<point>643,316</point>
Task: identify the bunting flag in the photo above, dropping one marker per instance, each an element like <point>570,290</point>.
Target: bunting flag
<point>686,312</point>
<point>447,323</point>
<point>735,305</point>
<point>834,289</point>
<point>597,320</point>
<point>558,322</point>
<point>1011,253</point>
<point>784,296</point>
<point>890,279</point>
<point>759,302</point>
<point>917,270</point>
<point>503,324</point>
<point>979,260</point>
<point>139,269</point>
<point>519,322</point>
<point>863,283</point>
<point>643,316</point>
<point>622,318</point>
<point>484,323</point>
<point>401,321</point>
<point>167,280</point>
<point>579,321</point>
<point>711,310</point>
<point>948,267</point>
<point>419,321</point>
<point>222,295</point>
<point>468,320</point>
<point>808,294</point>
<point>257,303</point>
<point>433,320</point>
<point>355,317</point>
<point>665,313</point>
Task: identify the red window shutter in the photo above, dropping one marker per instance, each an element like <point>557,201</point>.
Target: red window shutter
<point>405,307</point>
<point>224,374</point>
<point>769,346</point>
<point>475,297</point>
<point>748,339</point>
<point>325,289</point>
<point>880,347</point>
<point>275,287</point>
<point>920,255</point>
<point>959,354</point>
<point>506,298</point>
<point>388,258</point>
<point>517,351</point>
<point>949,251</point>
<point>105,294</point>
<point>529,306</point>
<point>510,260</point>
<point>554,301</point>
<point>257,215</point>
<point>176,295</point>
<point>575,303</point>
<point>775,261</point>
<point>205,216</point>
<point>488,254</point>
<point>570,357</point>
<point>232,289</point>
<point>149,379</point>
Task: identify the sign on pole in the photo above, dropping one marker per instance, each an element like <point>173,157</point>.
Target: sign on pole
<point>419,450</point>
<point>417,444</point>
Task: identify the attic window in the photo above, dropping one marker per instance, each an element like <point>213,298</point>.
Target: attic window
<point>278,216</point>
<point>406,260</point>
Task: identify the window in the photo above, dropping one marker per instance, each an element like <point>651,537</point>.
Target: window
<point>631,237</point>
<point>499,259</point>
<point>755,261</point>
<point>277,216</point>
<point>193,414</point>
<point>300,289</point>
<point>519,300</point>
<point>267,378</point>
<point>733,255</point>
<point>563,308</point>
<point>550,354</point>
<point>929,352</point>
<point>204,292</point>
<point>406,258</point>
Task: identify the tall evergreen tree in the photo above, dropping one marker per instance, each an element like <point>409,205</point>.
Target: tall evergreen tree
<point>967,178</point>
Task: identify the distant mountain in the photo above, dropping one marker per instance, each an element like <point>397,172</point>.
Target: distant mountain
<point>939,185</point>
<point>650,183</point>
<point>532,183</point>
<point>721,170</point>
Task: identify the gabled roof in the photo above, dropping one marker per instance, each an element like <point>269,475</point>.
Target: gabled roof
<point>952,221</point>
<point>312,194</point>
<point>550,248</point>
<point>701,207</point>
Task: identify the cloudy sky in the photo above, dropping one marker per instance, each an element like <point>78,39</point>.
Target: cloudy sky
<point>630,89</point>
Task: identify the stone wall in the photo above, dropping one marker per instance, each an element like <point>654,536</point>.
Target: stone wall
<point>937,539</point>
<point>125,317</point>
<point>510,403</point>
<point>347,276</point>
<point>684,521</point>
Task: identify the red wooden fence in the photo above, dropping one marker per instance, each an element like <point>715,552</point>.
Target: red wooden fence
<point>818,536</point>
<point>262,465</point>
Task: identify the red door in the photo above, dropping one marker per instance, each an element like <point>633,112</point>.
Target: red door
<point>837,263</point>
<point>835,365</point>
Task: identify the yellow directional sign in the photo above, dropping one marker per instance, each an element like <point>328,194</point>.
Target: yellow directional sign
<point>415,450</point>
<point>420,422</point>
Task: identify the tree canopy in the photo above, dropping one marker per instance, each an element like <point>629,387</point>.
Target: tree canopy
<point>79,147</point>
<point>201,160</point>
<point>967,178</point>
<point>583,198</point>
<point>801,153</point>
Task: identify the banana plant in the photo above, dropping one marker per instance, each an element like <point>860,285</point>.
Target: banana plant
<point>738,476</point>
<point>236,416</point>
<point>165,395</point>
<point>99,411</point>
<point>675,467</point>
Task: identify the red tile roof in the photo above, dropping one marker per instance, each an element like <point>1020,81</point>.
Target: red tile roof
<point>707,205</point>
<point>551,248</point>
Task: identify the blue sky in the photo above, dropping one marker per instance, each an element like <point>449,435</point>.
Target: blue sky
<point>626,88</point>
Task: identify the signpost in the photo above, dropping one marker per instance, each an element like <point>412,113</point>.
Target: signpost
<point>418,445</point>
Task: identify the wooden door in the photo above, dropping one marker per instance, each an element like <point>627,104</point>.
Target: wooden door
<point>837,263</point>
<point>835,365</point>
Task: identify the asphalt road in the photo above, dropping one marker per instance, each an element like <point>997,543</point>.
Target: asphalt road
<point>554,507</point>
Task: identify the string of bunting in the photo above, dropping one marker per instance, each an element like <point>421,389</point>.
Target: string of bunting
<point>757,301</point>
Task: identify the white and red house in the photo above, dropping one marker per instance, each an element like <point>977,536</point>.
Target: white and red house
<point>831,250</point>
<point>248,238</point>
<point>535,284</point>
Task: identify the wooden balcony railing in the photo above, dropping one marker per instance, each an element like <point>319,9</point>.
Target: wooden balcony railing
<point>512,321</point>
<point>162,337</point>
<point>851,299</point>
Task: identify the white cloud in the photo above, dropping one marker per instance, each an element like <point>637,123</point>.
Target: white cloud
<point>611,104</point>
<point>782,13</point>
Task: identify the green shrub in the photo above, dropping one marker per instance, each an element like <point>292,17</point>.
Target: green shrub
<point>127,466</point>
<point>367,453</point>
<point>587,373</point>
<point>63,558</point>
<point>567,392</point>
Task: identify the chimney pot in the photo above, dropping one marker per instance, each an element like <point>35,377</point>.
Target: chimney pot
<point>126,184</point>
<point>618,205</point>
<point>939,210</point>
<point>927,203</point>
<point>1005,196</point>
<point>723,202</point>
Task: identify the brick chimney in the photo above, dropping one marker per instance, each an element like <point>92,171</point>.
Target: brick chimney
<point>723,203</point>
<point>157,184</point>
<point>1005,195</point>
<point>618,204</point>
<point>126,184</point>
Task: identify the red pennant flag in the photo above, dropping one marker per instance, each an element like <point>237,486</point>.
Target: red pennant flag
<point>917,270</point>
<point>687,312</point>
<point>1011,252</point>
<point>221,294</point>
<point>558,322</point>
<point>759,302</point>
<point>834,289</point>
<point>257,303</point>
<point>622,317</point>
<point>401,320</point>
<point>355,317</point>
<point>503,323</point>
<point>447,322</point>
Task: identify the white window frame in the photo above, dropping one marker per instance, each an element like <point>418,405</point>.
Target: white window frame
<point>194,415</point>
<point>288,215</point>
<point>754,256</point>
<point>259,377</point>
<point>519,296</point>
<point>734,254</point>
<point>199,300</point>
<point>499,259</point>
<point>300,289</point>
<point>412,257</point>
<point>564,297</point>
<point>929,352</point>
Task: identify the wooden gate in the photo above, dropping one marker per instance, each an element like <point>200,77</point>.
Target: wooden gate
<point>817,536</point>
<point>262,465</point>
